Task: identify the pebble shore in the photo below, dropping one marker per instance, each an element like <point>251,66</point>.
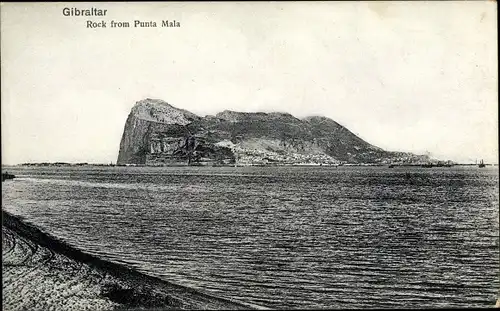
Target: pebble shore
<point>43,273</point>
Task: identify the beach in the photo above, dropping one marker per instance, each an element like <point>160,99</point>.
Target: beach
<point>41,272</point>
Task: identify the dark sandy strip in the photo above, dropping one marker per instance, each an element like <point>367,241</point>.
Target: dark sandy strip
<point>40,272</point>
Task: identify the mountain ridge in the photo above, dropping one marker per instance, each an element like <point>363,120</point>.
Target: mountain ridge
<point>157,133</point>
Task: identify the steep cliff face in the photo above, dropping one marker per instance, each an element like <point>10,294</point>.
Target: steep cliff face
<point>156,133</point>
<point>133,146</point>
<point>145,118</point>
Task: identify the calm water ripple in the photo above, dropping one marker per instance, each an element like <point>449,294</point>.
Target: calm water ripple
<point>283,237</point>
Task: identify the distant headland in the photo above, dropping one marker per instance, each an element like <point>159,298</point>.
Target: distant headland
<point>157,134</point>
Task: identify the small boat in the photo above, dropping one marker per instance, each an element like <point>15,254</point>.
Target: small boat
<point>481,164</point>
<point>6,176</point>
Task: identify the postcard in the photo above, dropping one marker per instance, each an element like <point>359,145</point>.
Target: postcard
<point>249,155</point>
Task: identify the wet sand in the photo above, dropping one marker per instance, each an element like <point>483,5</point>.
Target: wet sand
<point>42,273</point>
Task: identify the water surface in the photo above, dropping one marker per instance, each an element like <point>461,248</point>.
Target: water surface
<point>283,237</point>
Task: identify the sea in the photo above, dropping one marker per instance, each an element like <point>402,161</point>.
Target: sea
<point>282,237</point>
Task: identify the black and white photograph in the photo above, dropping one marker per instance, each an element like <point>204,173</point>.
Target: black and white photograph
<point>249,155</point>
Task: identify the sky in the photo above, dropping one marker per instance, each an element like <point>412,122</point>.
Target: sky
<point>404,76</point>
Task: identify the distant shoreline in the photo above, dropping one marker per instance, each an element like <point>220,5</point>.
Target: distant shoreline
<point>105,284</point>
<point>65,164</point>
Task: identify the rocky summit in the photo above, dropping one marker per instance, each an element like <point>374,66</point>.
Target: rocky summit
<point>157,133</point>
